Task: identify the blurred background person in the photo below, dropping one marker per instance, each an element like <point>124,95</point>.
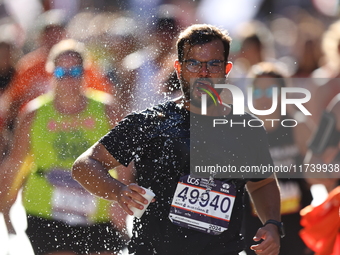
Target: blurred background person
<point>307,48</point>
<point>287,147</point>
<point>51,132</point>
<point>321,222</point>
<point>325,110</point>
<point>254,44</point>
<point>328,85</point>
<point>7,71</point>
<point>10,51</point>
<point>324,147</point>
<point>31,78</point>
<point>154,63</point>
<point>307,56</point>
<point>330,60</point>
<point>122,40</point>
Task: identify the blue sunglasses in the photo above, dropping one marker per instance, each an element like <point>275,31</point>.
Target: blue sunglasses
<point>258,93</point>
<point>74,72</point>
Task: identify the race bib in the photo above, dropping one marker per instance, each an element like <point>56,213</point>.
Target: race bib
<point>71,203</point>
<point>203,205</point>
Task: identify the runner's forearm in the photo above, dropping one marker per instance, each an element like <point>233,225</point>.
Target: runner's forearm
<point>267,201</point>
<point>96,179</point>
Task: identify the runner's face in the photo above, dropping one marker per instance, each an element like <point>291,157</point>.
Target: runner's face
<point>193,82</point>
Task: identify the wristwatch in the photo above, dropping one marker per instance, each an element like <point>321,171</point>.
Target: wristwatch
<point>279,225</point>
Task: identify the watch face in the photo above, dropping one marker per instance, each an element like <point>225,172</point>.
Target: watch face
<point>282,230</point>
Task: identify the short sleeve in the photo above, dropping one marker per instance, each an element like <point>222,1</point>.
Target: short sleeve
<point>125,140</point>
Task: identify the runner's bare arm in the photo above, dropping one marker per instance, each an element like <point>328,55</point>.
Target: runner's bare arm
<point>91,170</point>
<point>266,197</point>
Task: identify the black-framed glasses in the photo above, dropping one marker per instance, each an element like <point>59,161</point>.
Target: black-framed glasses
<point>213,66</point>
<point>74,72</point>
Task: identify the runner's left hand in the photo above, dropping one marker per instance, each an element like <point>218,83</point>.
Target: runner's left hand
<point>271,241</point>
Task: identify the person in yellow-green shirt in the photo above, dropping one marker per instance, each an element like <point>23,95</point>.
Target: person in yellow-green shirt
<point>52,131</point>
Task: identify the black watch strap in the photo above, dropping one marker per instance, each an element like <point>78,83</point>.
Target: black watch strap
<point>279,226</point>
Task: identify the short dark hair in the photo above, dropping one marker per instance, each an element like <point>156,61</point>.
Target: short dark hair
<point>200,34</point>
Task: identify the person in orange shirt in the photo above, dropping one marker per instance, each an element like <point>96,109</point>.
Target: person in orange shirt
<point>32,80</point>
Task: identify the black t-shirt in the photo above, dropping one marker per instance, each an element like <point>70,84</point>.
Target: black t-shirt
<point>158,141</point>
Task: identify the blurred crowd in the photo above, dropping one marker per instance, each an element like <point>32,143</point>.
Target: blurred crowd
<point>131,50</point>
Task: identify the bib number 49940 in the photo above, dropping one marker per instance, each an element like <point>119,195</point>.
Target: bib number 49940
<point>196,208</point>
<point>204,199</point>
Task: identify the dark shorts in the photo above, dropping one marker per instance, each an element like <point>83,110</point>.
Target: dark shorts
<point>49,236</point>
<point>146,251</point>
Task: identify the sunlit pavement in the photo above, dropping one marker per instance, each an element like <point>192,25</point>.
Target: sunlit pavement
<point>18,244</point>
